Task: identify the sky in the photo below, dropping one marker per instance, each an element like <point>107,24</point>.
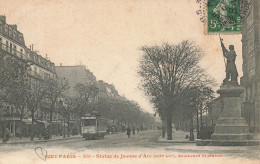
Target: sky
<point>105,35</point>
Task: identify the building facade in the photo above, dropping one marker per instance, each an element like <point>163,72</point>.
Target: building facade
<point>251,61</point>
<point>106,90</point>
<point>11,40</point>
<point>12,43</point>
<point>75,75</point>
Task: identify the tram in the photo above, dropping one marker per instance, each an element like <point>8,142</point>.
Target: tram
<point>93,126</point>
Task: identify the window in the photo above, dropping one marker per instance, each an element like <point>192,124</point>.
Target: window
<point>31,56</point>
<point>12,110</point>
<point>47,116</point>
<point>14,35</point>
<point>10,32</point>
<point>89,122</point>
<point>247,93</point>
<point>11,48</point>
<point>15,49</point>
<point>7,109</point>
<point>35,71</point>
<point>6,30</point>
<point>6,45</point>
<point>20,38</point>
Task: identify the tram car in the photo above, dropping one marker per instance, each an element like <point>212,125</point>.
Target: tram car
<point>93,126</point>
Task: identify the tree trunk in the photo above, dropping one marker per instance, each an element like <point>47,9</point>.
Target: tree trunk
<point>21,122</point>
<point>163,129</point>
<point>163,132</point>
<point>200,119</point>
<point>32,128</point>
<point>4,133</point>
<point>50,130</point>
<point>197,126</point>
<point>79,126</point>
<point>68,134</point>
<point>169,127</point>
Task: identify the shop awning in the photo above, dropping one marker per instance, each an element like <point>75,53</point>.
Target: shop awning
<point>27,120</point>
<point>45,123</point>
<point>9,118</point>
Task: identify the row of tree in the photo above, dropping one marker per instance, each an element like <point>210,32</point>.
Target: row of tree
<point>174,81</point>
<point>27,95</point>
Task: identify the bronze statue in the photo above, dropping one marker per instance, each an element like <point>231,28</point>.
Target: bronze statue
<point>231,69</point>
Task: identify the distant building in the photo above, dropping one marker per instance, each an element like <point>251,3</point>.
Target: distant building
<point>41,68</point>
<point>74,75</point>
<point>106,90</point>
<point>251,61</point>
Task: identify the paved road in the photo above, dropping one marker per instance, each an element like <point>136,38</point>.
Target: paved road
<point>146,140</point>
<point>140,140</point>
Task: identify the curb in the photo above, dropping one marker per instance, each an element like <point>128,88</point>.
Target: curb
<point>176,141</point>
<point>38,141</point>
<point>228,143</point>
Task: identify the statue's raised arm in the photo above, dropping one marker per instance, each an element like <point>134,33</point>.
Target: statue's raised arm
<point>231,69</point>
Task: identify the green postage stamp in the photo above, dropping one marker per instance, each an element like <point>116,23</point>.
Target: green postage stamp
<point>223,16</point>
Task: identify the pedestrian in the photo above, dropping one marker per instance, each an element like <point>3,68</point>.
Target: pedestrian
<point>133,130</point>
<point>128,132</point>
<point>107,130</point>
<point>6,135</point>
<point>137,130</point>
<point>187,137</point>
<point>112,130</point>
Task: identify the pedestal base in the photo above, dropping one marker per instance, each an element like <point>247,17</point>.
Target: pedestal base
<point>231,128</point>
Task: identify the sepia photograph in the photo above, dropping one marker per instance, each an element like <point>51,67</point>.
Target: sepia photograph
<point>129,81</point>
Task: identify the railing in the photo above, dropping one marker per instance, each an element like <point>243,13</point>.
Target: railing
<point>12,51</point>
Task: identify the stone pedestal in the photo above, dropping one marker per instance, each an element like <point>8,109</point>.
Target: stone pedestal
<point>231,128</point>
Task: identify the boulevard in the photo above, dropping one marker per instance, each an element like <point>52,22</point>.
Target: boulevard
<point>143,141</point>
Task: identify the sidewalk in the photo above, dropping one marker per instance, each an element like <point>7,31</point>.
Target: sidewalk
<point>24,140</point>
<point>178,137</point>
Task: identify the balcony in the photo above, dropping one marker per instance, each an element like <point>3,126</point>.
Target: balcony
<point>7,49</point>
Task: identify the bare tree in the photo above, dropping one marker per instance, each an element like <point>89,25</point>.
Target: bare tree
<point>36,92</point>
<point>85,93</point>
<point>67,106</point>
<point>167,71</point>
<point>54,89</point>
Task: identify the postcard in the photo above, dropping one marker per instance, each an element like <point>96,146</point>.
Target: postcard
<point>129,81</point>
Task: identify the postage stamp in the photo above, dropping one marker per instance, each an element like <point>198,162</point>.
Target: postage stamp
<point>223,17</point>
